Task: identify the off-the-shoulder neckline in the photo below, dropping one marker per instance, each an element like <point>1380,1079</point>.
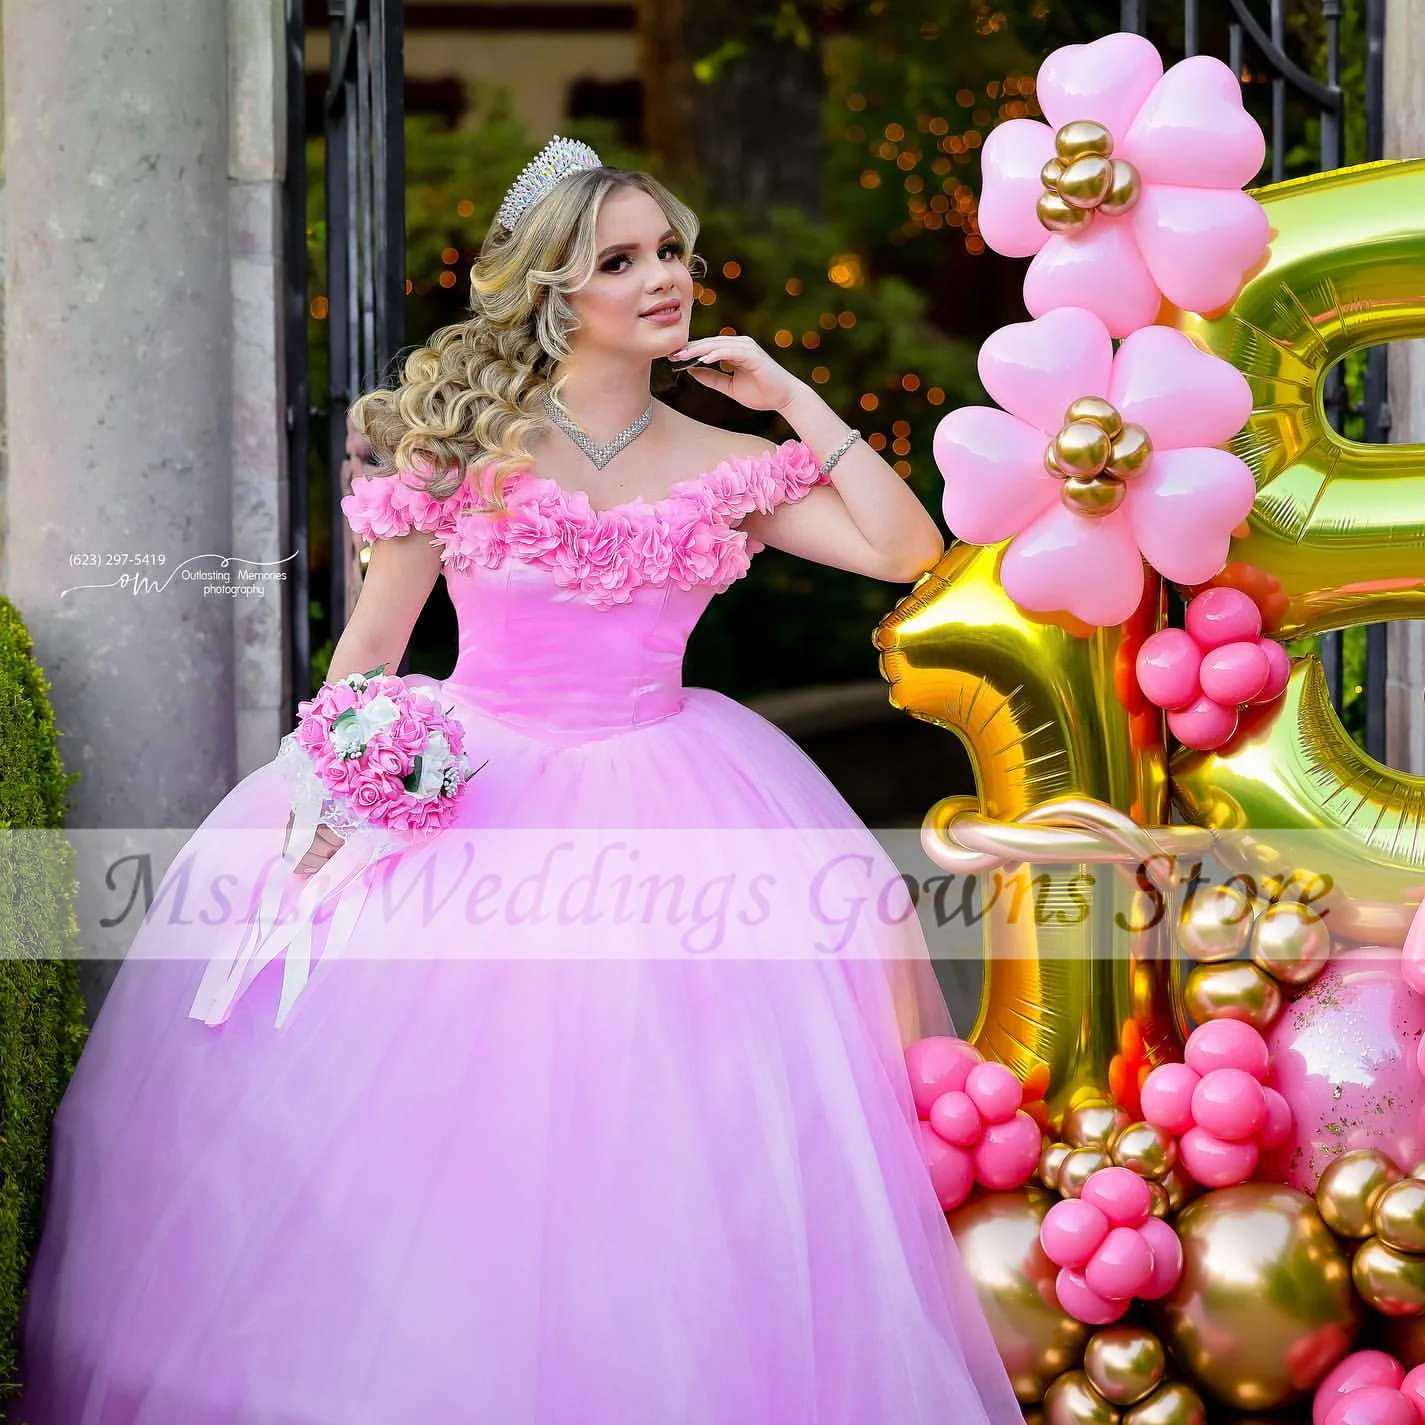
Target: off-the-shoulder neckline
<point>678,490</point>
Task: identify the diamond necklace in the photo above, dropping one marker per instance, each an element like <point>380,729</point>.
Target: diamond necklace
<point>599,454</point>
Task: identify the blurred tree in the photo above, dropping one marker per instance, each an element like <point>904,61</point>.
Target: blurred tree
<point>832,152</point>
<point>733,96</point>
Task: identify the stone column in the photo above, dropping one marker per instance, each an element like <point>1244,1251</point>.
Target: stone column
<point>118,356</point>
<point>1405,138</point>
<point>261,533</point>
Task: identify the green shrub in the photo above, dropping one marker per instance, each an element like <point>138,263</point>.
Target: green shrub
<point>42,1023</point>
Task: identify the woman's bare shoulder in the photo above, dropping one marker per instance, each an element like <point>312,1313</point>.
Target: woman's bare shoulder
<point>708,445</point>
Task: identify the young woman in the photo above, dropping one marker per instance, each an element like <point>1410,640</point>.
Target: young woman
<point>513,1160</point>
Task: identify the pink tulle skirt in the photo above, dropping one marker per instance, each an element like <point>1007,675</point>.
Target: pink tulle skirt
<point>605,1186</point>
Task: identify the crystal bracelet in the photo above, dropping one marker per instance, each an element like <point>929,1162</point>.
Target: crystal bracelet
<point>826,465</point>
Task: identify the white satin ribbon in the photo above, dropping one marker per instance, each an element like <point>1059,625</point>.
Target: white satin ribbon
<point>339,882</point>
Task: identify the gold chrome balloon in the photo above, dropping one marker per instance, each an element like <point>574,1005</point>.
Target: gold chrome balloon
<point>1071,1400</point>
<point>1173,1403</point>
<point>1349,1188</point>
<point>1051,173</point>
<point>1079,1166</point>
<point>1179,1187</point>
<point>1392,1282</point>
<point>1092,1122</point>
<point>1059,216</point>
<point>1086,181</point>
<point>998,1238</point>
<point>1399,1216</point>
<point>1083,447</point>
<point>1215,923</point>
<point>1081,137</point>
<point>1236,989</point>
<point>1265,1305</point>
<point>1101,412</point>
<point>1123,191</point>
<point>1048,709</point>
<point>1333,542</point>
<point>1093,496</point>
<point>1051,1159</point>
<point>1151,1152</point>
<point>1291,943</point>
<point>1132,450</point>
<point>1124,1363</point>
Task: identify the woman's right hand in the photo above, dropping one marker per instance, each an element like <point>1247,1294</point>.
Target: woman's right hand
<point>323,848</point>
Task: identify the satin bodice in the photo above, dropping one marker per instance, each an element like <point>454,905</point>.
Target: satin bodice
<point>573,620</point>
<point>543,659</point>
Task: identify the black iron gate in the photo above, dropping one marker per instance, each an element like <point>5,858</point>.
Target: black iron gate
<point>1233,30</point>
<point>364,202</point>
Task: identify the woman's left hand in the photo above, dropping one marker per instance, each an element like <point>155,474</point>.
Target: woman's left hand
<point>755,381</point>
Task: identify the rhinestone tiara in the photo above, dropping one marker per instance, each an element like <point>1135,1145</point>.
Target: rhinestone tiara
<point>554,162</point>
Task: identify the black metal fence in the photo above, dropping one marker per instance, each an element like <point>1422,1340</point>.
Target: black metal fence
<point>364,204</point>
<point>365,208</point>
<point>294,335</point>
<point>1233,29</point>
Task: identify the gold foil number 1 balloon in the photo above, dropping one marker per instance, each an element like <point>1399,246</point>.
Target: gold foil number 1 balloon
<point>1049,711</point>
<point>1046,711</point>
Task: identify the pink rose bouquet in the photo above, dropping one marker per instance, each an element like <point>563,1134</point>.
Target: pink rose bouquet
<point>384,755</point>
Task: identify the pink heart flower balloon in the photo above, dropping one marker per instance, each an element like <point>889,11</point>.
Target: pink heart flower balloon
<point>1096,462</point>
<point>1131,192</point>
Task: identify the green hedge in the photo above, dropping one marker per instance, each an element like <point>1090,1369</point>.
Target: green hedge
<point>42,1024</point>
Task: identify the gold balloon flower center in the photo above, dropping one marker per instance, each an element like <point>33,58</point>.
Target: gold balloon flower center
<point>1094,454</point>
<point>1084,178</point>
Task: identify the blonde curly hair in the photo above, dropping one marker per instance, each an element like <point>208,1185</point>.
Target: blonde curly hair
<point>471,394</point>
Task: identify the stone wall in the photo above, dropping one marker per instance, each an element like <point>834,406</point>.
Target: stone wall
<point>142,404</point>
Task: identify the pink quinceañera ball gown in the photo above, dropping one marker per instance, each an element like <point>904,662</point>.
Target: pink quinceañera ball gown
<point>501,1156</point>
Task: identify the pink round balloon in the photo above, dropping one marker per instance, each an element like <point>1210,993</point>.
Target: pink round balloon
<point>1235,673</point>
<point>1413,1389</point>
<point>1222,615</point>
<point>995,1091</point>
<point>1276,1128</point>
<point>1278,670</point>
<point>1008,1153</point>
<point>1213,1161</point>
<point>1359,1369</point>
<point>1167,666</point>
<point>1227,1044</point>
<point>952,1170</point>
<point>1071,1232</point>
<point>1167,1250</point>
<point>1203,725</point>
<point>1166,1097</point>
<point>1372,1405</point>
<point>1344,1058</point>
<point>956,1119</point>
<point>937,1065</point>
<point>1230,1104</point>
<point>1122,1266</point>
<point>1120,1194</point>
<point>1083,1303</point>
<point>1412,957</point>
